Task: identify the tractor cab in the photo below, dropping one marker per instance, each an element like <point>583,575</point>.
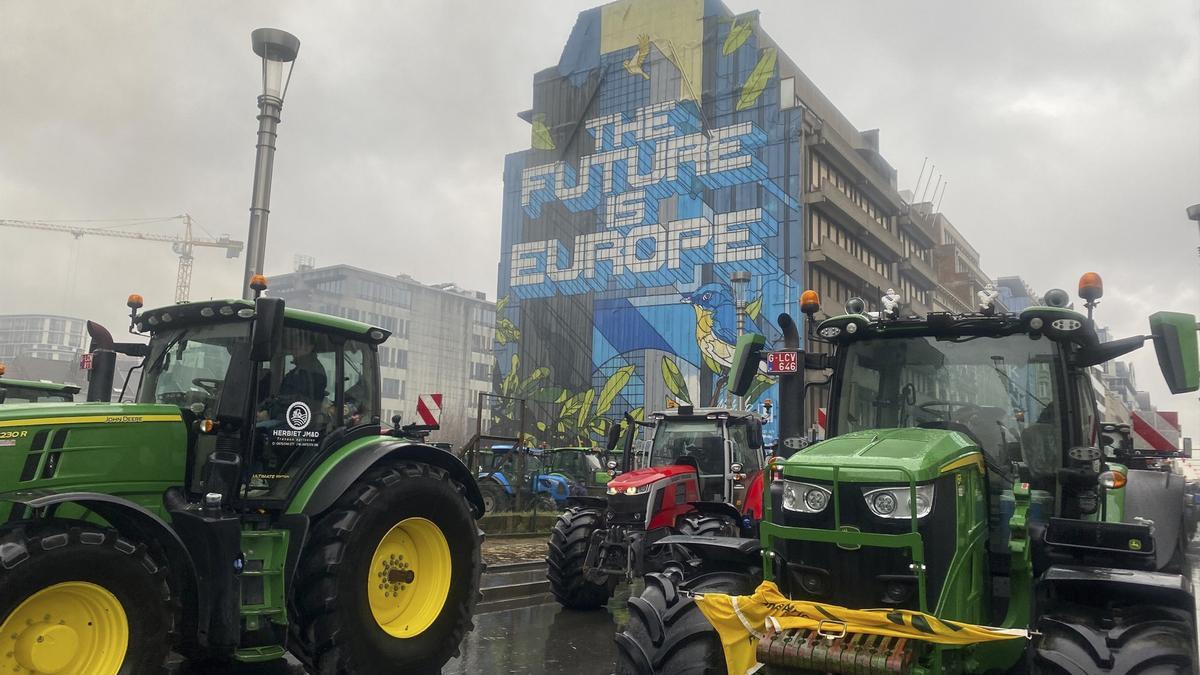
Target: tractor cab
<point>34,391</point>
<point>264,392</point>
<point>583,467</point>
<point>724,447</point>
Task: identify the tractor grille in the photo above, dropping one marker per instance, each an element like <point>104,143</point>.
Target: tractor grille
<point>627,509</point>
<point>870,576</point>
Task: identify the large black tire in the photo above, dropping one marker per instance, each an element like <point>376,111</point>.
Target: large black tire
<point>36,556</point>
<point>495,498</point>
<point>564,565</point>
<point>667,633</point>
<point>1142,640</point>
<point>336,627</point>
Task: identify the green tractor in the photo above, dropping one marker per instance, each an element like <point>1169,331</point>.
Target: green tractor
<point>248,503</point>
<point>960,518</point>
<point>34,391</point>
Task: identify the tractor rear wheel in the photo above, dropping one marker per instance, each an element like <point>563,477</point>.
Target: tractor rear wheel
<point>568,549</point>
<point>495,498</point>
<point>390,576</point>
<point>78,599</point>
<point>1143,639</point>
<point>667,633</point>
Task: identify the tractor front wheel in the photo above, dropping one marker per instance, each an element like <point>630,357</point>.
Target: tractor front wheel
<point>667,633</point>
<point>1143,639</point>
<point>569,541</point>
<point>390,577</point>
<point>78,599</point>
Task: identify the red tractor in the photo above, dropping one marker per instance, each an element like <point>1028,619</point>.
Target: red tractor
<point>701,474</point>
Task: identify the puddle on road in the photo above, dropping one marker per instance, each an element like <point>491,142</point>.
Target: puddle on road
<point>544,638</point>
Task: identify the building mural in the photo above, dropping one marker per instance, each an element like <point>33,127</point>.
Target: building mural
<point>660,163</point>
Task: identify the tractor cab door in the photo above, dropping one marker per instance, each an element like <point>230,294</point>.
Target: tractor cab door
<point>188,367</point>
<point>319,386</point>
<point>745,458</point>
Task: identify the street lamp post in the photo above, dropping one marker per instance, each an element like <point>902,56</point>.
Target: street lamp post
<point>1193,212</point>
<point>740,281</point>
<point>278,50</point>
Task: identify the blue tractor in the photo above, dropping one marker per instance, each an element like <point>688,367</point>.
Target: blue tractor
<point>497,480</point>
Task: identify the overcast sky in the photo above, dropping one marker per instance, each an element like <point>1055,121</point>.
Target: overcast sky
<point>1069,133</point>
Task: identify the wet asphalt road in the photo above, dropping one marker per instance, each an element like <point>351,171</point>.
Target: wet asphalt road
<point>537,636</point>
<point>543,638</point>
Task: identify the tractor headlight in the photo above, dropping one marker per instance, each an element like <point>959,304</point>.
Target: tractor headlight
<point>630,491</point>
<point>893,502</point>
<point>804,497</point>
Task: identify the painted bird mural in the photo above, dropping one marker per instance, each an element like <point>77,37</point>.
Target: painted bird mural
<point>716,327</point>
<point>635,62</point>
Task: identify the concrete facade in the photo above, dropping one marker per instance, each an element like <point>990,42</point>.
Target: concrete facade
<point>43,347</point>
<point>441,338</point>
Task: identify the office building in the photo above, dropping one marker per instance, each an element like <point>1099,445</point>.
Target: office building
<point>672,146</point>
<point>441,338</point>
<point>43,347</point>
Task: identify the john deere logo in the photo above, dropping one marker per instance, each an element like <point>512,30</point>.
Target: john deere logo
<point>1135,544</point>
<point>298,415</point>
<point>849,547</point>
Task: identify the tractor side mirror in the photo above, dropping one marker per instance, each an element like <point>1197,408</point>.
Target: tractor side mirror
<point>614,436</point>
<point>266,338</point>
<point>746,358</point>
<point>755,436</point>
<point>1174,336</point>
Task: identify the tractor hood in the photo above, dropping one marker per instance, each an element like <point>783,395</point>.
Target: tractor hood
<point>33,414</point>
<point>643,477</point>
<point>885,456</point>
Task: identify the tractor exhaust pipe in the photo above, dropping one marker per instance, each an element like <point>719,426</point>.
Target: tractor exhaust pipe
<point>103,364</point>
<point>791,392</point>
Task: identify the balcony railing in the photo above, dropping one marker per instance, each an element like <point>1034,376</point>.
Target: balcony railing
<point>835,204</point>
<point>837,260</point>
<point>846,159</point>
<point>919,269</point>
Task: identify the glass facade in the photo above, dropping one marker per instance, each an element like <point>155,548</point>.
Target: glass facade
<point>661,162</point>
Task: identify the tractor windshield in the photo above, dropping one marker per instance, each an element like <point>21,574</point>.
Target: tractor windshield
<point>998,390</point>
<point>701,439</point>
<point>186,367</point>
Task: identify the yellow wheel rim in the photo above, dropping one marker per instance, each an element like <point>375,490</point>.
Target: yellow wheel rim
<point>409,577</point>
<point>74,627</point>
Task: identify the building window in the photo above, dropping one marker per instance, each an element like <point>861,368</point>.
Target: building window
<point>481,343</point>
<point>391,388</point>
<point>481,371</point>
<point>388,294</point>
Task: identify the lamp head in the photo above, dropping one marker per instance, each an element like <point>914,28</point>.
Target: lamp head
<point>278,50</point>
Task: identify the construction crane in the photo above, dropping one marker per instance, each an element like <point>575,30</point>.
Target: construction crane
<point>181,245</point>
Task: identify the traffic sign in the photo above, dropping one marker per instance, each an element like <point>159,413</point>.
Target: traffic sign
<point>783,362</point>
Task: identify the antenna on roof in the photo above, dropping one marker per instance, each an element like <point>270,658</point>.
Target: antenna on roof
<point>932,168</point>
<point>920,176</point>
<point>939,201</point>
